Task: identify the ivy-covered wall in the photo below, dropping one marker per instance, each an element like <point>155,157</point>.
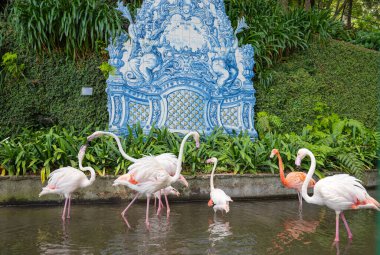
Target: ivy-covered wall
<point>50,94</point>
<point>339,74</point>
<point>342,75</point>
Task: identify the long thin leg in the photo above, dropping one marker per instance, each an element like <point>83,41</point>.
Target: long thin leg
<point>155,200</point>
<point>159,204</point>
<point>147,212</point>
<point>64,209</point>
<point>126,209</point>
<point>68,209</point>
<point>337,227</point>
<point>299,202</point>
<point>167,206</point>
<point>346,225</point>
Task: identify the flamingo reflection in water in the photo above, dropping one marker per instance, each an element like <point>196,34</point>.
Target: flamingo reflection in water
<point>219,229</point>
<point>294,230</point>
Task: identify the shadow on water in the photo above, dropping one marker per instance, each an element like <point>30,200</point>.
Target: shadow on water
<point>253,227</point>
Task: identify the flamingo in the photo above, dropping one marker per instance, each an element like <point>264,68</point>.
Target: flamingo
<point>66,180</point>
<point>147,176</point>
<point>293,180</point>
<point>339,192</point>
<point>167,160</point>
<point>218,197</point>
<point>167,191</point>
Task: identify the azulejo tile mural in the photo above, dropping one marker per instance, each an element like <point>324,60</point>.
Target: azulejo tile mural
<point>180,66</point>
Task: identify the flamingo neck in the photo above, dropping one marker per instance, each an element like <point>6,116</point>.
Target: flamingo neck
<point>309,175</point>
<point>92,177</point>
<point>281,168</point>
<point>180,156</point>
<point>121,150</point>
<point>212,177</point>
<point>87,168</point>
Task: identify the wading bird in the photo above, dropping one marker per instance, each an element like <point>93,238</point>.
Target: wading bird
<point>66,180</point>
<point>147,176</point>
<point>339,192</point>
<point>168,162</point>
<point>293,180</point>
<point>218,197</point>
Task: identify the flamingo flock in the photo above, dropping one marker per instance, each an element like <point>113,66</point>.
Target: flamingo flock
<point>154,175</point>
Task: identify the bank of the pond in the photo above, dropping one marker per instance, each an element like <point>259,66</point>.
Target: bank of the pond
<point>25,189</point>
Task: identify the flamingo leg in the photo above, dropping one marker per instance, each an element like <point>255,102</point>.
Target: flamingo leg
<point>155,200</point>
<point>346,225</point>
<point>126,209</point>
<point>159,204</point>
<point>64,209</point>
<point>167,206</point>
<point>299,201</point>
<point>147,212</point>
<point>68,209</point>
<point>337,227</point>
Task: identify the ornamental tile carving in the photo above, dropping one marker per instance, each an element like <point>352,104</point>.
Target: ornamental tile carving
<point>180,66</point>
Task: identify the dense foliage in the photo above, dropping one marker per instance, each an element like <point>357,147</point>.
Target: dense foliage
<point>339,74</point>
<point>339,144</point>
<point>75,26</point>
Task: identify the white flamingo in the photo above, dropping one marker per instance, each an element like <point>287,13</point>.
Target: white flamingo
<point>147,176</point>
<point>168,161</point>
<point>339,192</point>
<point>218,197</point>
<point>66,180</point>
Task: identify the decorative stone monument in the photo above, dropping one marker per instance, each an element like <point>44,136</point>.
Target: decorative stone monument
<point>180,67</point>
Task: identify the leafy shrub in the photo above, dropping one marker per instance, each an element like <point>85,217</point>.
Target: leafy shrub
<point>339,144</point>
<point>339,74</point>
<point>368,39</point>
<point>74,25</point>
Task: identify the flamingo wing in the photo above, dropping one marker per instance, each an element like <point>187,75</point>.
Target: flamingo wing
<point>296,179</point>
<point>145,169</point>
<point>168,161</point>
<point>64,180</point>
<point>342,191</point>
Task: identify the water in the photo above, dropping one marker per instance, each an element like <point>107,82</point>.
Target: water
<point>252,227</point>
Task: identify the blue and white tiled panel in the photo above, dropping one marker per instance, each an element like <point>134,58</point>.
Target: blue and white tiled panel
<point>185,111</point>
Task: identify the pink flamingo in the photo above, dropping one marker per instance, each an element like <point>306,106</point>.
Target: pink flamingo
<point>147,176</point>
<point>218,197</point>
<point>339,192</point>
<point>66,180</point>
<point>168,161</point>
<point>293,180</point>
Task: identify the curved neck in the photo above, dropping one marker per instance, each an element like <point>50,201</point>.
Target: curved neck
<point>87,168</point>
<point>309,175</point>
<point>122,152</point>
<point>212,176</point>
<point>92,177</point>
<point>180,156</point>
<point>281,168</point>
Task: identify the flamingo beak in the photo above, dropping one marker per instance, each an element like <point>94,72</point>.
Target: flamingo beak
<point>298,162</point>
<point>184,181</point>
<point>210,203</point>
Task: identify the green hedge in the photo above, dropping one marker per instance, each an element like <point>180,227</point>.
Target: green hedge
<point>342,75</point>
<point>51,94</point>
<point>339,74</point>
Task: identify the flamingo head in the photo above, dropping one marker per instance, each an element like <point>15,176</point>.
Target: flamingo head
<point>94,135</point>
<point>173,191</point>
<point>212,160</point>
<point>82,151</point>
<point>196,139</point>
<point>183,180</point>
<point>274,152</point>
<point>300,155</point>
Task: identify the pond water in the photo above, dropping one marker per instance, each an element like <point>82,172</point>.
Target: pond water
<point>251,227</point>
